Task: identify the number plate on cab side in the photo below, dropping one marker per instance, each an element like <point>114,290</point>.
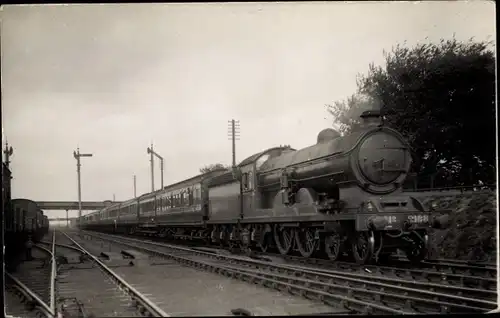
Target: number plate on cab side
<point>418,218</point>
<point>391,219</point>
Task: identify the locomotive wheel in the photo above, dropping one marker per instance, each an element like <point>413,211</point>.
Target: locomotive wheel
<point>417,251</point>
<point>333,246</point>
<point>362,249</point>
<point>306,243</point>
<point>283,236</point>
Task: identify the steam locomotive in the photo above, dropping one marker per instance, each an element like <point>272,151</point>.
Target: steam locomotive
<point>342,195</point>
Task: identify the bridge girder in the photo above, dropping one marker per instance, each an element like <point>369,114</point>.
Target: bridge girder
<point>62,219</point>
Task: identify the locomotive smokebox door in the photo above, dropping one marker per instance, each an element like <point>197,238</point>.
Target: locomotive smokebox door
<point>383,158</point>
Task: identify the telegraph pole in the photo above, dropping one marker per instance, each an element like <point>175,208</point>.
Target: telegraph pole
<point>150,151</point>
<point>153,153</point>
<point>8,153</point>
<point>135,195</point>
<point>233,133</point>
<point>77,156</point>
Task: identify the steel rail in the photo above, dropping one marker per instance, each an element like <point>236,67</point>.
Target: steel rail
<point>383,292</point>
<point>53,274</point>
<point>404,287</point>
<point>127,288</point>
<point>460,271</point>
<point>52,279</point>
<point>454,264</point>
<point>39,303</point>
<point>331,281</point>
<point>463,189</point>
<point>461,263</point>
<point>347,302</point>
<point>399,281</point>
<point>448,276</point>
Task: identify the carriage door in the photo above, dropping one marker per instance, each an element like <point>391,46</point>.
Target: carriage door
<point>247,180</point>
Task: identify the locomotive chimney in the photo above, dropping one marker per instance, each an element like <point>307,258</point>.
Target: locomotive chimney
<point>371,118</point>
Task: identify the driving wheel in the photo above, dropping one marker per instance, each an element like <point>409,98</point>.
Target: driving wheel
<point>306,243</point>
<point>333,244</point>
<point>283,237</point>
<point>362,247</point>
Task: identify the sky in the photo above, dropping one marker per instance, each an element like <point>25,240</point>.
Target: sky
<point>111,79</point>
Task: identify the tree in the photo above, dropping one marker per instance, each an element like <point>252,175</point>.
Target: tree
<point>441,97</point>
<point>347,112</point>
<point>213,167</point>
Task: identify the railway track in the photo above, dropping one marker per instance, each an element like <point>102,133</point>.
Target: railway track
<point>442,271</point>
<point>437,272</point>
<point>20,301</point>
<point>86,286</point>
<point>167,283</point>
<point>359,293</point>
<point>29,289</point>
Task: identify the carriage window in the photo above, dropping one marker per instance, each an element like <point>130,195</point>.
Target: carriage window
<point>191,196</point>
<point>250,180</point>
<point>195,196</point>
<point>244,180</point>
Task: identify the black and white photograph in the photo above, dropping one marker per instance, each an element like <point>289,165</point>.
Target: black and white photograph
<point>249,159</point>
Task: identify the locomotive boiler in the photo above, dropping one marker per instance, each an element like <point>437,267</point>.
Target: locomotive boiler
<point>375,159</point>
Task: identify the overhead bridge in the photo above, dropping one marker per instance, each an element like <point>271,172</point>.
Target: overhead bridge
<point>63,219</point>
<point>73,205</point>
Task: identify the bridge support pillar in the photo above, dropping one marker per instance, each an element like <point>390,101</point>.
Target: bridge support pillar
<point>67,219</point>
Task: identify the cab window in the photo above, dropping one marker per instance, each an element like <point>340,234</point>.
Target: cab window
<point>244,181</point>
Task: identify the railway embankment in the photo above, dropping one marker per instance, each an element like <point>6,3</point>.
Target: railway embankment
<point>471,232</point>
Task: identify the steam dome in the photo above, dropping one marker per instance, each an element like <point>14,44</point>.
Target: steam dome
<point>327,135</point>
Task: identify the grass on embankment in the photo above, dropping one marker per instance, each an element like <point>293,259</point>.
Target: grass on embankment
<point>471,232</point>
